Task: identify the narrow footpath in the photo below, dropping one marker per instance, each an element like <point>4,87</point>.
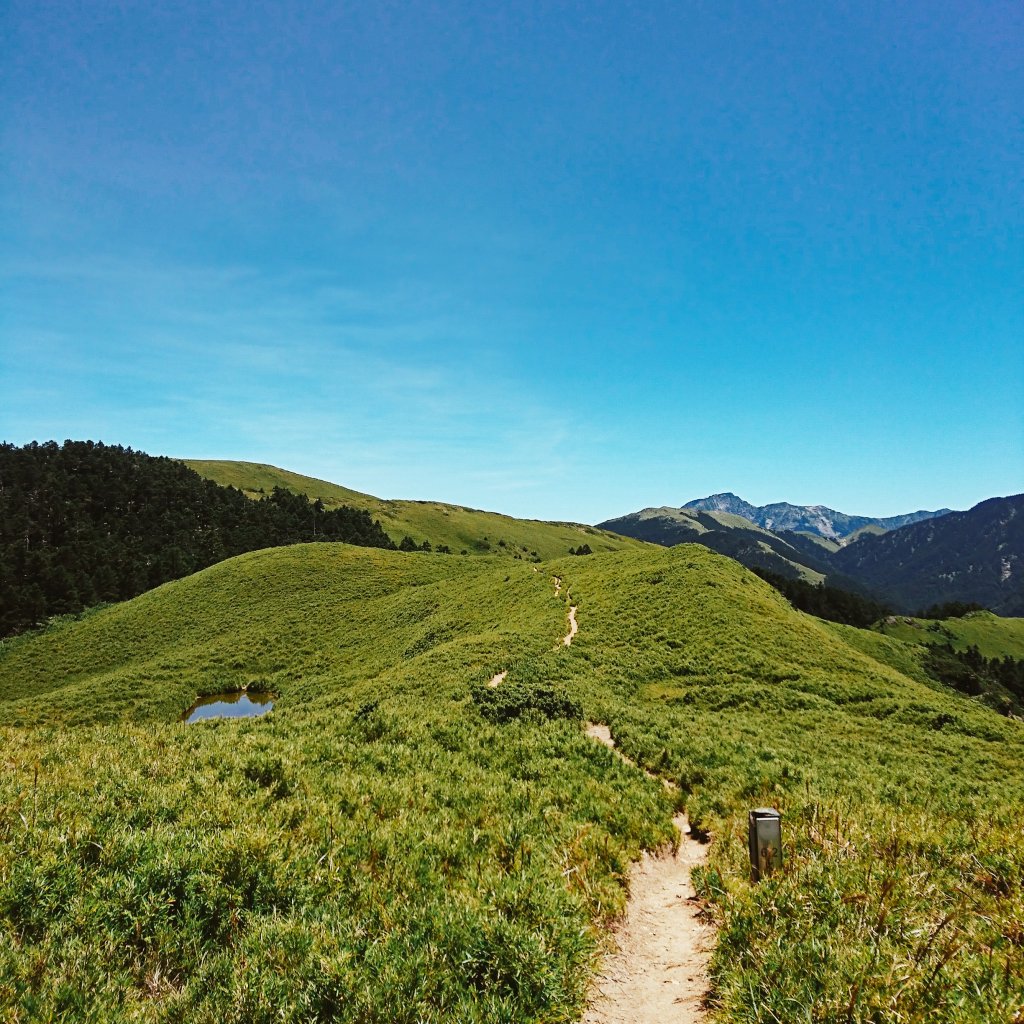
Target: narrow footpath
<point>499,677</point>
<point>658,972</point>
<point>573,627</point>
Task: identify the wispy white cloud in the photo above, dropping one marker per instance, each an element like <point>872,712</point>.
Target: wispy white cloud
<point>393,388</point>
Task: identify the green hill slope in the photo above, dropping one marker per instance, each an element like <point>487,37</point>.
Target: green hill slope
<point>399,841</point>
<point>993,635</point>
<point>281,618</point>
<point>257,478</point>
<point>85,523</point>
<point>461,529</point>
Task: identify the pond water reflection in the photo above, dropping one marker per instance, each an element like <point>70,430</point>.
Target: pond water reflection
<point>230,705</point>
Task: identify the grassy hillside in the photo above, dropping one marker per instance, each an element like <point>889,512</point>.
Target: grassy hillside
<point>461,529</point>
<point>827,543</point>
<point>398,842</point>
<point>993,635</point>
<point>257,478</point>
<point>86,523</point>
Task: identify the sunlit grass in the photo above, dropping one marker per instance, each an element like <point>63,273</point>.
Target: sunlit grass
<point>382,846</point>
<point>993,635</point>
<point>462,530</point>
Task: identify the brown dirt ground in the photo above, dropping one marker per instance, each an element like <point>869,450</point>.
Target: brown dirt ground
<point>658,970</point>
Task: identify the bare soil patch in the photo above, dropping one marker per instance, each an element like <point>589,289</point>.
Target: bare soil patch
<point>573,627</point>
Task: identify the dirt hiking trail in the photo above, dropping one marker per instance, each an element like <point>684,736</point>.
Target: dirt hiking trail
<point>573,627</point>
<point>658,972</point>
<point>499,677</point>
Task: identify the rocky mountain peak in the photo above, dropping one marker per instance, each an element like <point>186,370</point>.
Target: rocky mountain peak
<point>817,519</point>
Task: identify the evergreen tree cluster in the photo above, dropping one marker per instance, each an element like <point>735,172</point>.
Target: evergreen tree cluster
<point>970,672</point>
<point>826,602</point>
<point>950,610</point>
<point>85,523</point>
<point>408,544</point>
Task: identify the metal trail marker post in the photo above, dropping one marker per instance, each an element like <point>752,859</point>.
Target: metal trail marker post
<point>764,831</point>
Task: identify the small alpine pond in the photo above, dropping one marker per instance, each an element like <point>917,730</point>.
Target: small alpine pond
<point>240,704</point>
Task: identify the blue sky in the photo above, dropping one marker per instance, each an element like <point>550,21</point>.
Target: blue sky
<point>558,260</point>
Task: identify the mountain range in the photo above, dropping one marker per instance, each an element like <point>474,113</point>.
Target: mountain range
<point>818,519</point>
<point>908,561</point>
<point>975,556</point>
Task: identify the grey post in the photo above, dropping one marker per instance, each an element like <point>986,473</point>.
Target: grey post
<point>765,837</point>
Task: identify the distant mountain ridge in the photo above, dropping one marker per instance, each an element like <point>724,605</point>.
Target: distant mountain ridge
<point>972,556</point>
<point>818,519</point>
<point>793,556</point>
<point>976,555</point>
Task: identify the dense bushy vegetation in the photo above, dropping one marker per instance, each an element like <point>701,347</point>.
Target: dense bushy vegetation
<point>383,847</point>
<point>970,672</point>
<point>826,602</point>
<point>516,699</point>
<point>85,523</point>
<point>408,544</point>
<point>951,610</point>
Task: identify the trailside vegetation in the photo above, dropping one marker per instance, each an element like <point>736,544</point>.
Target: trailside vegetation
<point>85,523</point>
<point>389,843</point>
